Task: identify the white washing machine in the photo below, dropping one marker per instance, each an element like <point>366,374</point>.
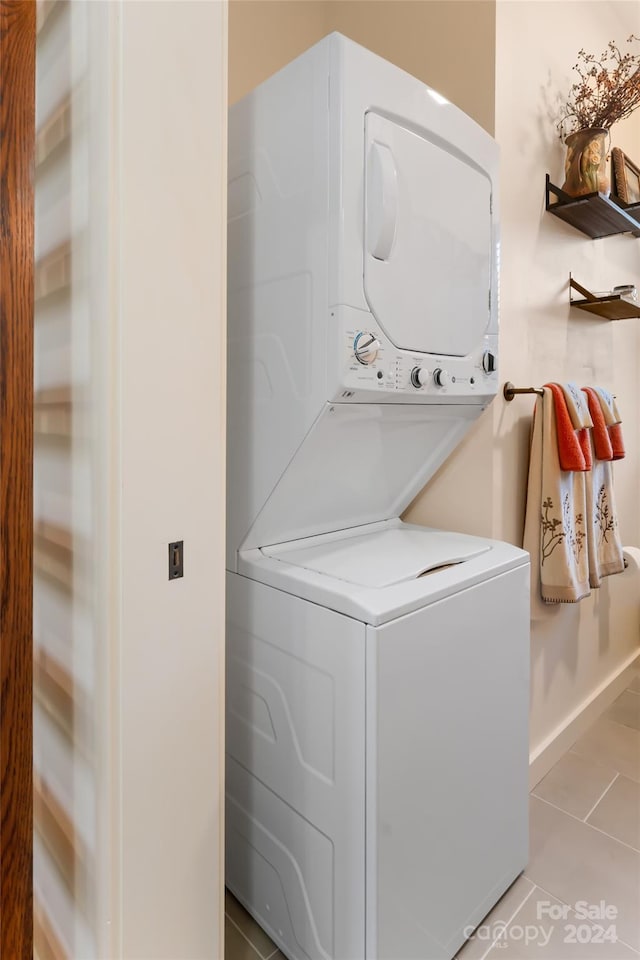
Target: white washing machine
<point>377,672</point>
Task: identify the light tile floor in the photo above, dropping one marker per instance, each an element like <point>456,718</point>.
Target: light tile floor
<point>585,846</point>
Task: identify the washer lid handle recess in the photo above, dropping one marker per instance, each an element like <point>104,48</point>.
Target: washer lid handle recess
<point>384,558</point>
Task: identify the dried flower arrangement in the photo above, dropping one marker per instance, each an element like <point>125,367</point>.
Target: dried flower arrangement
<point>608,89</point>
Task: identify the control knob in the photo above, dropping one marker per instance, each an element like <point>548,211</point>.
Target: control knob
<point>441,378</point>
<point>489,362</point>
<point>419,377</point>
<point>365,347</point>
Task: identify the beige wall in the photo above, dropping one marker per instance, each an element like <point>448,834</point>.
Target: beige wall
<point>450,44</point>
<point>576,648</point>
<point>447,43</point>
<point>266,34</point>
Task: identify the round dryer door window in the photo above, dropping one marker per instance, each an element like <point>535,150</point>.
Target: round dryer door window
<point>428,242</point>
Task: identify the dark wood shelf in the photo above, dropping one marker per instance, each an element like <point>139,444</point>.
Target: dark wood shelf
<point>633,209</point>
<point>612,307</point>
<point>594,214</point>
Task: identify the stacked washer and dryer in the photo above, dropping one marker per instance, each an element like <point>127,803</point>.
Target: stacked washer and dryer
<point>377,671</point>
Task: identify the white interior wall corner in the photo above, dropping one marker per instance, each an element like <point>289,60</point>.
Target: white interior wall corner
<point>166,222</point>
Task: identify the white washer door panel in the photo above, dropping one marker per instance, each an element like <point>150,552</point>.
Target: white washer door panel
<point>447,767</point>
<point>427,258</point>
<point>296,770</point>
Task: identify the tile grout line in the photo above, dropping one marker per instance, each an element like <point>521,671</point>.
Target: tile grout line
<point>583,756</point>
<point>245,937</point>
<point>601,797</point>
<point>553,895</point>
<point>590,825</point>
<point>532,793</point>
<point>508,922</point>
<point>618,723</point>
<point>611,837</point>
<point>627,945</point>
<point>536,886</point>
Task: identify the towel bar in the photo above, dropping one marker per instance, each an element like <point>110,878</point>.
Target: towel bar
<point>509,391</point>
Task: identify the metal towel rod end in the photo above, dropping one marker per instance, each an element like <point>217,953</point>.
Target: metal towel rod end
<point>509,391</point>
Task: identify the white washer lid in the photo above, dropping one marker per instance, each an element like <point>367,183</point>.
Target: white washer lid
<point>383,558</point>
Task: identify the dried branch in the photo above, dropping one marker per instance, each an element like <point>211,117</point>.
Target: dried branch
<point>608,89</point>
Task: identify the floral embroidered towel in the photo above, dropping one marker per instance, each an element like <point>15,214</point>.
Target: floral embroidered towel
<point>604,546</point>
<point>613,421</point>
<point>609,406</point>
<point>577,406</point>
<point>554,533</point>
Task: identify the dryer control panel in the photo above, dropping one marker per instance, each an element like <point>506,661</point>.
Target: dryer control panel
<point>373,368</point>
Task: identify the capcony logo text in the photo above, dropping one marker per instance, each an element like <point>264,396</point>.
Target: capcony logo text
<point>583,923</point>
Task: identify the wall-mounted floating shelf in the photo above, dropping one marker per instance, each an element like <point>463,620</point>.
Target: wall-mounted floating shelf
<point>594,214</point>
<point>633,209</point>
<point>612,307</point>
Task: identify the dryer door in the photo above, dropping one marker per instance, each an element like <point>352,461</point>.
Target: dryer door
<point>428,241</point>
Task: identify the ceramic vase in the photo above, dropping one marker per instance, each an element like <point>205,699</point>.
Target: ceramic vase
<point>585,166</point>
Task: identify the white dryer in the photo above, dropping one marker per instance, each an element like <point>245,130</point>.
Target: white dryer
<point>377,672</point>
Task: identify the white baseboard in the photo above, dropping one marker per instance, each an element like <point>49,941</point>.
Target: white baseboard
<point>546,754</point>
